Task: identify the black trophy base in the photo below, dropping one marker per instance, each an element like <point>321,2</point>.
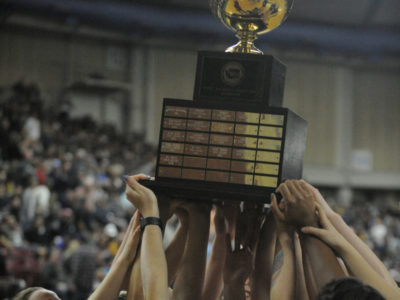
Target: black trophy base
<point>217,192</point>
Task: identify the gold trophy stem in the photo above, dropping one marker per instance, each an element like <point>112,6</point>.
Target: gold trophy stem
<point>245,44</point>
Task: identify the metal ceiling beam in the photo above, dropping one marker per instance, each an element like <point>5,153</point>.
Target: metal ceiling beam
<point>153,21</point>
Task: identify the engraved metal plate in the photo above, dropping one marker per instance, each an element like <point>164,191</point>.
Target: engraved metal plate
<point>222,127</point>
<point>244,154</point>
<point>219,164</point>
<point>173,135</point>
<point>172,147</point>
<point>267,181</point>
<point>196,150</point>
<point>199,113</point>
<point>247,117</point>
<point>269,131</point>
<point>241,178</point>
<point>197,137</point>
<point>195,162</point>
<point>172,160</point>
<point>217,176</point>
<point>169,172</point>
<point>175,123</point>
<point>246,129</point>
<point>221,139</point>
<point>269,144</point>
<point>242,166</point>
<point>223,115</point>
<point>272,119</point>
<point>268,156</point>
<point>176,111</point>
<point>245,142</point>
<point>195,174</point>
<point>197,125</point>
<point>222,152</point>
<point>262,168</point>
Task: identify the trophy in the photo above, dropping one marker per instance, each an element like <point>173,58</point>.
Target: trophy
<point>249,18</point>
<point>234,140</point>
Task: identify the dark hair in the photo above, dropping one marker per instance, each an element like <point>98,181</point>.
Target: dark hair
<point>26,293</point>
<point>348,288</point>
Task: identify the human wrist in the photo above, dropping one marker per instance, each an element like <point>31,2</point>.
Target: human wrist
<point>151,211</point>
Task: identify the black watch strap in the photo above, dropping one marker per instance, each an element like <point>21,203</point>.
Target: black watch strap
<point>150,221</point>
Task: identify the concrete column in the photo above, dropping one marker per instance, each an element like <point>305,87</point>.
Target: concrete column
<point>344,131</point>
<point>137,96</point>
<point>152,129</point>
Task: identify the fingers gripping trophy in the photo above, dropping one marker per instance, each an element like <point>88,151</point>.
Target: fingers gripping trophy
<point>234,140</point>
<point>249,18</point>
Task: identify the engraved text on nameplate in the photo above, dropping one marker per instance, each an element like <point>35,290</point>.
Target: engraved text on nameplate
<point>172,160</point>
<point>172,147</point>
<point>173,135</point>
<point>175,123</point>
<point>169,172</point>
<point>199,113</point>
<point>247,117</point>
<point>197,137</point>
<point>197,125</point>
<point>176,111</point>
<point>223,115</point>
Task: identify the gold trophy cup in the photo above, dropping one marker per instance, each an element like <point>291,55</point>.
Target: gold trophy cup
<point>250,18</point>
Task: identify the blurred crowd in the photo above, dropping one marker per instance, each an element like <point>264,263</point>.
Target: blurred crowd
<point>63,208</point>
<point>61,192</point>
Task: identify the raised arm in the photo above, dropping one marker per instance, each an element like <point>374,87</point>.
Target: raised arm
<point>213,283</point>
<point>152,260</point>
<point>341,226</point>
<point>284,285</point>
<point>317,256</point>
<point>176,247</point>
<point>261,277</point>
<point>190,275</point>
<point>239,262</point>
<point>111,285</point>
<point>353,260</point>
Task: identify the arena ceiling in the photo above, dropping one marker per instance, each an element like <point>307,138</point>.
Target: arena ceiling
<point>367,28</point>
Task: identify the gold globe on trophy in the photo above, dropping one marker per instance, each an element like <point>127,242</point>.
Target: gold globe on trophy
<point>250,18</point>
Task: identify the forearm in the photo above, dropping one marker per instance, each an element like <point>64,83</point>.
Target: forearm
<point>135,289</point>
<point>284,285</point>
<point>369,256</point>
<point>301,288</point>
<point>175,250</point>
<point>361,269</point>
<point>190,277</point>
<point>153,265</point>
<point>110,286</point>
<point>213,282</point>
<point>234,292</point>
<point>322,262</point>
<point>261,278</point>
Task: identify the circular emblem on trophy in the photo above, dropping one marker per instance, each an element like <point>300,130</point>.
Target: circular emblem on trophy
<point>232,73</point>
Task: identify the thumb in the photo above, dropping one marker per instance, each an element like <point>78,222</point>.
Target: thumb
<point>132,181</point>
<point>317,232</point>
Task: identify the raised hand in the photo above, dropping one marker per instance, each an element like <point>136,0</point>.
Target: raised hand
<point>128,248</point>
<point>320,199</point>
<point>298,203</point>
<point>140,196</point>
<point>327,233</point>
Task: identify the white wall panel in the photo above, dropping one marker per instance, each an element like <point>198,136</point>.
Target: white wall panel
<point>377,117</point>
<point>310,92</point>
